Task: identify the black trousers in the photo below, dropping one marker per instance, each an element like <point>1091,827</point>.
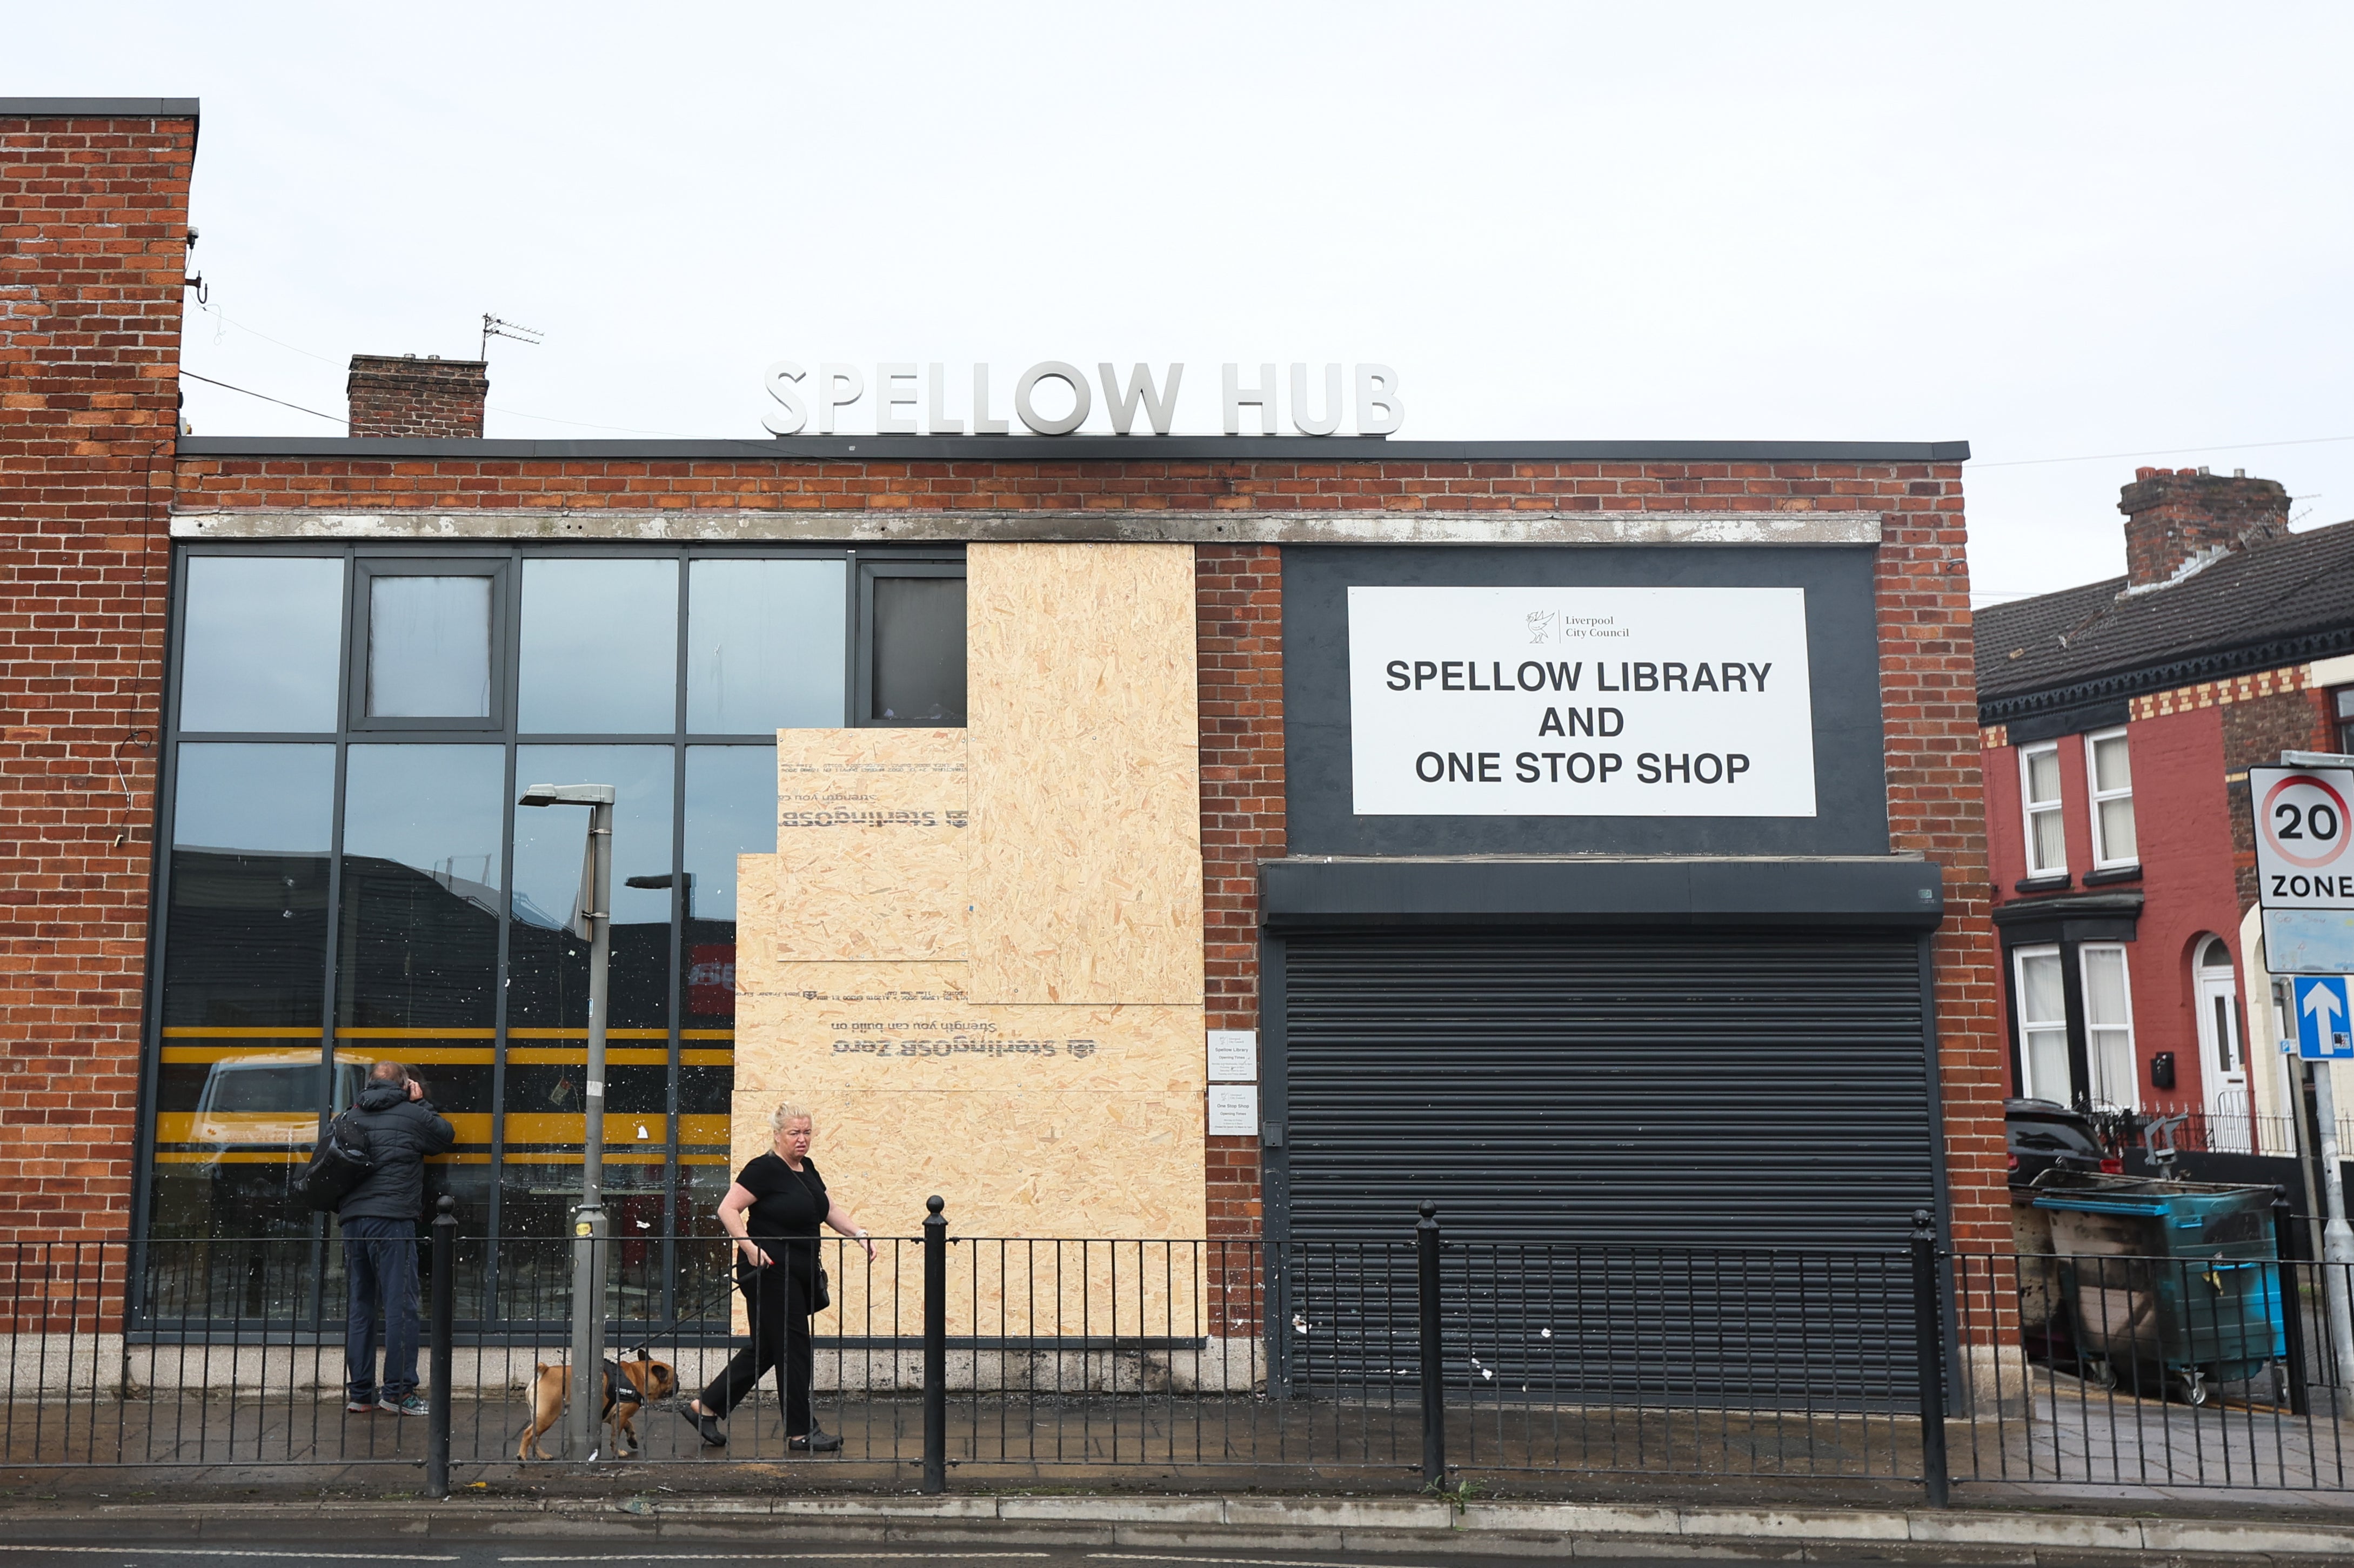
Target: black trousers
<point>776,1304</point>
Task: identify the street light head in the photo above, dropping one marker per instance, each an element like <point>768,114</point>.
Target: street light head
<point>567,795</point>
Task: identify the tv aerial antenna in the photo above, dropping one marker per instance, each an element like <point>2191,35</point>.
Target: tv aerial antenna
<point>495,326</point>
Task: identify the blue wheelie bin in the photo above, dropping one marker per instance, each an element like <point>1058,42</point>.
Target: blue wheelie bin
<point>2168,1283</point>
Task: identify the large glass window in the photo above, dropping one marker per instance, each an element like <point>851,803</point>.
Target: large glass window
<point>767,645</point>
<point>547,991</point>
<point>2042,1023</point>
<point>417,941</point>
<point>241,1074</point>
<point>428,647</point>
<point>918,624</point>
<point>2047,839</point>
<point>2341,708</point>
<point>2110,771</point>
<point>731,809</point>
<point>600,650</point>
<point>349,880</point>
<point>261,641</point>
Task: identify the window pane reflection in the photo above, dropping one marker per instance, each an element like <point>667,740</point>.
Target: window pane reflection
<point>764,646</point>
<point>918,651</point>
<point>731,809</point>
<point>262,643</point>
<point>547,994</point>
<point>417,941</point>
<point>548,961</point>
<point>428,647</point>
<point>239,1086</point>
<point>599,648</point>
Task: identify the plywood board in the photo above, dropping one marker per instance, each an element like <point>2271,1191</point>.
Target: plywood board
<point>910,1027</point>
<point>1010,1162</point>
<point>1086,856</point>
<point>872,848</point>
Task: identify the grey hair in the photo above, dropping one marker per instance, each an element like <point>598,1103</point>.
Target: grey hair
<point>388,1073</point>
<point>786,1112</point>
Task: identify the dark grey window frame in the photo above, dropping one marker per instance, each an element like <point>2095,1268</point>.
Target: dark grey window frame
<point>503,561</point>
<point>360,578</point>
<point>862,634</point>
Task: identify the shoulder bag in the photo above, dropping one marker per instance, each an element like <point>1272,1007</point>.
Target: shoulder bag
<point>339,1164</point>
<point>821,1297</point>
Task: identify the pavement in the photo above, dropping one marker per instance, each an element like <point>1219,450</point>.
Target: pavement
<point>1015,1528</point>
<point>2064,1436</point>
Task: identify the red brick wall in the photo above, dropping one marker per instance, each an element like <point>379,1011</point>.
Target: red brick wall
<point>1936,805</point>
<point>417,398</point>
<point>503,483</point>
<point>2172,514</point>
<point>2255,733</point>
<point>93,220</point>
<point>1238,610</point>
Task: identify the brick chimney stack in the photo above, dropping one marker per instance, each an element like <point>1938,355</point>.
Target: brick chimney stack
<point>2172,514</point>
<point>409,396</point>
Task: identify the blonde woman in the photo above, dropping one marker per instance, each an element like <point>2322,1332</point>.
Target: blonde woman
<point>773,1211</point>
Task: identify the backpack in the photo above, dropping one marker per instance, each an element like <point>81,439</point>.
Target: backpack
<point>340,1163</point>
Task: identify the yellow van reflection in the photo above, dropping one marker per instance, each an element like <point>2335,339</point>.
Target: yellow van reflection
<point>271,1099</point>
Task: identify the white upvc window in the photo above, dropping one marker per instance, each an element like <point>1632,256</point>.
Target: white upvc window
<point>2042,1023</point>
<point>2109,770</point>
<point>2108,1025</point>
<point>2039,788</point>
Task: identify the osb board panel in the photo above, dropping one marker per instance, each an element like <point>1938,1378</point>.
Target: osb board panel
<point>1086,853</point>
<point>1028,1169</point>
<point>1018,1162</point>
<point>871,847</point>
<point>890,1028</point>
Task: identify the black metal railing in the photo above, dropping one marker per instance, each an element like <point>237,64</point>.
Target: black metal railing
<point>1411,1354</point>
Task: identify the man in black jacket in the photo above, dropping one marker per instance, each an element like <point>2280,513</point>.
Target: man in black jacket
<point>399,1127</point>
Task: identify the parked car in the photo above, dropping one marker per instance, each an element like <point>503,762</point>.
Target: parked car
<point>2045,1135</point>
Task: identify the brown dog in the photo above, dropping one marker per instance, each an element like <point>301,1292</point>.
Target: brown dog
<point>639,1382</point>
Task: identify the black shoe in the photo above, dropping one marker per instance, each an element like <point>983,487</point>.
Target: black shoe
<point>816,1440</point>
<point>706,1424</point>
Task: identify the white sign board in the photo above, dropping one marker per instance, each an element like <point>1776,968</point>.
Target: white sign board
<point>1233,1056</point>
<point>1581,702</point>
<point>2301,837</point>
<point>2324,1031</point>
<point>1234,1110</point>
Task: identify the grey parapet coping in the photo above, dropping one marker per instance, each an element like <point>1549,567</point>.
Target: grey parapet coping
<point>1071,450</point>
<point>98,109</point>
<point>895,525</point>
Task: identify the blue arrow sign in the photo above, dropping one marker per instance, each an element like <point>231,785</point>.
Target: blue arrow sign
<point>2325,1024</point>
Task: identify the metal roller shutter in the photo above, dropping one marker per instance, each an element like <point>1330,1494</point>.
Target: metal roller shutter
<point>1635,1090</point>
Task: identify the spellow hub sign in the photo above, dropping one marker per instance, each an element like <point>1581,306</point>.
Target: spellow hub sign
<point>1580,701</point>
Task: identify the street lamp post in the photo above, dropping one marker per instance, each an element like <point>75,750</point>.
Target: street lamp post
<point>590,1227</point>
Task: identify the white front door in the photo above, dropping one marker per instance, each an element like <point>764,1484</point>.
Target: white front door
<point>2223,1064</point>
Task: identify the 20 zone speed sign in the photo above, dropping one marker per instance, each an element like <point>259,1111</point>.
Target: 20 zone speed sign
<point>2302,833</point>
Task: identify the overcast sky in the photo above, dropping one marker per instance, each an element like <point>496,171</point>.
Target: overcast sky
<point>2107,235</point>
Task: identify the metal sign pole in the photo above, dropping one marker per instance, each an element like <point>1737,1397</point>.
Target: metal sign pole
<point>2336,1236</point>
<point>2304,812</point>
<point>589,1228</point>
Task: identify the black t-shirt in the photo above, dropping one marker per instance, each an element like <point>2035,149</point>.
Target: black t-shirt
<point>787,1207</point>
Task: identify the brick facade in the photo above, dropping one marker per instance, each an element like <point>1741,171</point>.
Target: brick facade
<point>419,398</point>
<point>93,237</point>
<point>1936,806</point>
<point>91,582</point>
<point>2257,730</point>
<point>2173,515</point>
<point>1238,598</point>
